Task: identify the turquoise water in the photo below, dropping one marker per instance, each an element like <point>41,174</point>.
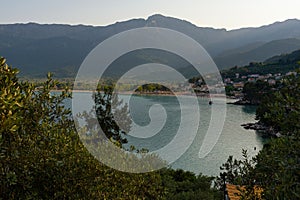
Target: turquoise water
<point>165,124</point>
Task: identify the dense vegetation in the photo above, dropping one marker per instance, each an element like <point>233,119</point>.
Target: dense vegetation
<point>152,87</point>
<point>281,108</point>
<point>277,64</point>
<point>276,168</point>
<point>43,158</point>
<point>254,92</point>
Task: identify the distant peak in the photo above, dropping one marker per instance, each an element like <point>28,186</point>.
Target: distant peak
<point>159,17</point>
<point>287,21</point>
<point>292,20</point>
<point>156,15</point>
<point>156,18</point>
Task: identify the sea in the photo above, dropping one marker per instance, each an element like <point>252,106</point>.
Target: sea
<point>157,121</point>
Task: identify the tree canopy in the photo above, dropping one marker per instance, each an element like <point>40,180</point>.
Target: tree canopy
<point>42,156</point>
<point>276,167</point>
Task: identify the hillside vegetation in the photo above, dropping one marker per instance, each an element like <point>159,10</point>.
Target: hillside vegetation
<point>40,48</point>
<point>278,64</point>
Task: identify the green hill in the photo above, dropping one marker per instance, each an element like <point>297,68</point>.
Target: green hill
<point>277,64</point>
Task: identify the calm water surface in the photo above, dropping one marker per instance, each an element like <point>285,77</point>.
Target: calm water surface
<point>233,139</point>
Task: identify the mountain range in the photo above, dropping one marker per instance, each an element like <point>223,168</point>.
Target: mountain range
<point>38,48</point>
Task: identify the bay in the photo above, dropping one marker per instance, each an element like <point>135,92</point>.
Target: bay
<point>159,117</point>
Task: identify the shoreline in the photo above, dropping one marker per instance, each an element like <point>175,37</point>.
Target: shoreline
<point>267,131</point>
<point>242,102</point>
<point>155,93</point>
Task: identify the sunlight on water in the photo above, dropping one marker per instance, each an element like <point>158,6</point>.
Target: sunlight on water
<point>231,142</point>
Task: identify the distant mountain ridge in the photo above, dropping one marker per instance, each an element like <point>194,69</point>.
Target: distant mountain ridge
<point>39,48</point>
<point>257,52</point>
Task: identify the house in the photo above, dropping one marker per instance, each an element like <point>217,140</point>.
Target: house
<point>253,75</point>
<point>251,80</point>
<point>238,85</point>
<point>227,80</point>
<point>234,192</point>
<point>272,82</point>
<point>262,77</point>
<point>291,73</point>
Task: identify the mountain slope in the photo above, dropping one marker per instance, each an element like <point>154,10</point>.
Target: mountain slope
<point>276,64</point>
<point>256,52</point>
<point>37,49</point>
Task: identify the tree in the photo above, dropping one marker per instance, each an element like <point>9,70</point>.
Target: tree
<point>276,168</point>
<point>229,89</point>
<point>254,92</point>
<point>38,142</point>
<point>183,185</point>
<point>111,114</point>
<point>281,109</point>
<point>42,156</point>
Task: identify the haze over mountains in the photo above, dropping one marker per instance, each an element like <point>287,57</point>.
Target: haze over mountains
<point>37,49</point>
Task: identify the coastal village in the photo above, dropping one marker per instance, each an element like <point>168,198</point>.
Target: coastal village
<point>234,86</point>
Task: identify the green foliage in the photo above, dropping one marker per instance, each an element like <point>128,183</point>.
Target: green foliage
<point>38,142</point>
<point>111,114</point>
<point>274,65</point>
<point>152,88</point>
<point>42,157</point>
<point>235,171</point>
<point>229,89</point>
<point>186,185</point>
<point>281,109</point>
<point>276,168</point>
<point>255,92</point>
<point>278,164</point>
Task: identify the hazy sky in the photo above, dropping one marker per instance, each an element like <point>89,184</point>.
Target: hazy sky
<point>229,14</point>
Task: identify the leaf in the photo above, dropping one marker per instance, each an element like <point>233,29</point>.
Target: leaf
<point>13,128</point>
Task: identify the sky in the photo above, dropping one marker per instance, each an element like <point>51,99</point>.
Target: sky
<point>229,14</point>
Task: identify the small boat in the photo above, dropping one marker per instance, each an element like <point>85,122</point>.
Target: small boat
<point>210,102</point>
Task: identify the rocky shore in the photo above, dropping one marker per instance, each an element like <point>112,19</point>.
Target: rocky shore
<point>265,130</point>
<point>242,102</point>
